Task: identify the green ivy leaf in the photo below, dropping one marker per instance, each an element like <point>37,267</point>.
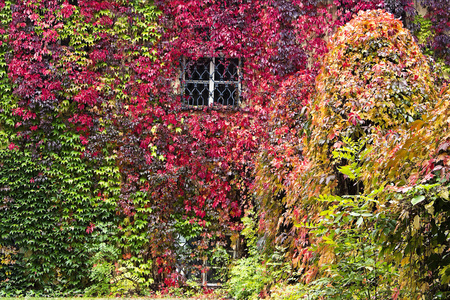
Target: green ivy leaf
<point>417,199</point>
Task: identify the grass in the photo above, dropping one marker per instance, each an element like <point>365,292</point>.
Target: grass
<point>106,298</point>
<point>89,298</point>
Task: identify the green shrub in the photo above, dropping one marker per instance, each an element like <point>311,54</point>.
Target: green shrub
<point>248,278</point>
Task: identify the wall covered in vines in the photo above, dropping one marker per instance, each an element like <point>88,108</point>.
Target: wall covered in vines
<point>105,169</point>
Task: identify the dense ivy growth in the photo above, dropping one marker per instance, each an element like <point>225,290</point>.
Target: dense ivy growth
<point>357,203</point>
<point>105,171</point>
<point>375,79</point>
<point>438,13</point>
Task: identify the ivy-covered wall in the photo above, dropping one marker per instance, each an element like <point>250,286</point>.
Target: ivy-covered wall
<point>104,170</point>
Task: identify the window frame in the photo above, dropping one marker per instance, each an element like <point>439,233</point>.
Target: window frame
<point>212,82</point>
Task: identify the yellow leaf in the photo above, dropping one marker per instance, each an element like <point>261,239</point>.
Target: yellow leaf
<point>425,287</point>
<point>430,208</point>
<point>416,222</point>
<point>417,124</point>
<point>404,261</point>
<point>444,194</point>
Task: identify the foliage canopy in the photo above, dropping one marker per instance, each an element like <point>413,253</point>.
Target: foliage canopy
<point>104,170</point>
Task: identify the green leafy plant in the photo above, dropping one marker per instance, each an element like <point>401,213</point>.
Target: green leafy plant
<point>104,258</point>
<point>346,237</point>
<point>252,277</point>
<point>349,229</point>
<point>350,263</point>
<point>418,243</point>
<point>219,260</point>
<point>248,276</point>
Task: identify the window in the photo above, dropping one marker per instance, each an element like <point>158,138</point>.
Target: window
<point>214,266</point>
<point>211,80</point>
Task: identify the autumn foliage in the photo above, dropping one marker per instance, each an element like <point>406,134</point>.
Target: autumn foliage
<point>379,139</point>
<point>105,170</point>
<point>374,80</point>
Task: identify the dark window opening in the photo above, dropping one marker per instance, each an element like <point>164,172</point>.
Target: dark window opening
<point>209,81</point>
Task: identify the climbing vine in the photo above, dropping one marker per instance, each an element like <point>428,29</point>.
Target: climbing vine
<point>103,163</point>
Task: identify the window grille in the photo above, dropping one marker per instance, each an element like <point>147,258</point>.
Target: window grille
<point>189,268</point>
<point>211,80</point>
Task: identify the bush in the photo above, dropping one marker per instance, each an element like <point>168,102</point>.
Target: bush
<point>374,79</point>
